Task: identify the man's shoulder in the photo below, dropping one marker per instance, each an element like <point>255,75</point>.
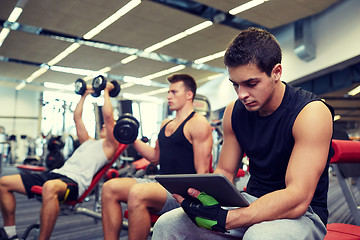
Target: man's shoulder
<point>198,118</point>
<point>197,122</point>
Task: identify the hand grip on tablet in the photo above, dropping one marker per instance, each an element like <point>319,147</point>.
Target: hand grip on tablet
<point>205,212</point>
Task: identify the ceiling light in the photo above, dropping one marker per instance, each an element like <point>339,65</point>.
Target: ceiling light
<point>105,69</point>
<point>165,72</point>
<point>179,36</point>
<point>3,34</point>
<point>59,86</point>
<point>15,14</point>
<point>36,74</point>
<point>165,42</point>
<point>64,54</point>
<point>110,20</point>
<point>210,57</point>
<point>246,6</point>
<point>129,59</point>
<point>77,71</point>
<point>161,90</point>
<point>139,81</point>
<point>354,92</point>
<point>198,27</point>
<point>143,98</point>
<point>127,85</point>
<point>20,86</point>
<point>337,117</point>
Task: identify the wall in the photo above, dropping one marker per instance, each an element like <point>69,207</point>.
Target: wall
<point>336,33</point>
<point>20,112</point>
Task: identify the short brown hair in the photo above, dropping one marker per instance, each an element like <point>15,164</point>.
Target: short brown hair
<point>254,45</point>
<point>188,81</point>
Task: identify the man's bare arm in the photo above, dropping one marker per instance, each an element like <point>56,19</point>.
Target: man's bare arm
<point>81,131</point>
<point>312,132</point>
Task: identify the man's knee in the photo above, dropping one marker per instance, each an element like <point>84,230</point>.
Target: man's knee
<point>107,189</point>
<point>3,182</point>
<point>6,183</point>
<point>53,189</point>
<point>137,195</point>
<point>173,223</point>
<point>112,192</point>
<point>162,225</point>
<point>283,229</point>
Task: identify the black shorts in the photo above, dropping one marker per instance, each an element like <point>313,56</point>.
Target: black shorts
<point>38,179</point>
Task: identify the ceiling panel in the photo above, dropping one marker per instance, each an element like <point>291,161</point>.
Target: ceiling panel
<point>274,13</point>
<point>29,47</point>
<point>206,42</point>
<point>16,71</point>
<point>57,77</point>
<point>74,17</point>
<point>149,23</point>
<point>91,58</point>
<point>146,25</point>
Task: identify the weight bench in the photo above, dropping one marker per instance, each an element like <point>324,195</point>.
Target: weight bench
<point>73,207</point>
<point>346,163</point>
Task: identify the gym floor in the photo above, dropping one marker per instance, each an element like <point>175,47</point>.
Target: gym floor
<point>78,227</point>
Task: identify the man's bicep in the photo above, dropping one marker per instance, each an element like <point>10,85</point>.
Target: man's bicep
<point>312,133</point>
<point>202,145</point>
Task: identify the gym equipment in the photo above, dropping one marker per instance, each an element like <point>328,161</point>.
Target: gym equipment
<point>73,207</point>
<point>80,86</point>
<point>99,84</point>
<point>347,153</point>
<point>336,231</point>
<point>55,158</point>
<point>55,144</point>
<point>32,160</point>
<point>126,129</point>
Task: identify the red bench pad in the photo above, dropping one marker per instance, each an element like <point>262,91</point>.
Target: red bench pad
<point>31,167</point>
<point>346,151</point>
<point>342,231</point>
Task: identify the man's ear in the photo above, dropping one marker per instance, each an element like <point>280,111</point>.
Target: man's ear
<point>276,72</point>
<point>189,95</point>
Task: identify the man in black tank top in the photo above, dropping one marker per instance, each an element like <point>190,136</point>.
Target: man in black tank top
<point>286,133</point>
<point>184,146</point>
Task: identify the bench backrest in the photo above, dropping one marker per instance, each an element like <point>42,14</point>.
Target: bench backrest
<point>99,175</point>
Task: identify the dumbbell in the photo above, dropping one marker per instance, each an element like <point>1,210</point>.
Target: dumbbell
<point>55,144</point>
<point>80,88</point>
<point>126,129</point>
<point>99,84</point>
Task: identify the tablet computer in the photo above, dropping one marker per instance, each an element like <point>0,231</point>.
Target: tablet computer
<point>215,185</point>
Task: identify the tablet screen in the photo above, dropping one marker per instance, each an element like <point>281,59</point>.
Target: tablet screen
<point>215,185</point>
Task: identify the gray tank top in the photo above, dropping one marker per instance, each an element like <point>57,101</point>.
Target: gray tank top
<point>84,163</point>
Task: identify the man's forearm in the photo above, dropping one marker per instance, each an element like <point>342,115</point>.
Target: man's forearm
<point>146,151</point>
<point>281,204</point>
<point>79,108</point>
<point>107,109</point>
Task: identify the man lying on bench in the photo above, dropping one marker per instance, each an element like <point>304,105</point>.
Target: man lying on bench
<point>66,183</point>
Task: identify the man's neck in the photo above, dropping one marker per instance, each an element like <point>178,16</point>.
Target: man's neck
<point>184,112</point>
<point>276,100</point>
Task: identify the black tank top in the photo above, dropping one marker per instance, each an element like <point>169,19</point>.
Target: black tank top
<point>268,142</point>
<point>176,152</point>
